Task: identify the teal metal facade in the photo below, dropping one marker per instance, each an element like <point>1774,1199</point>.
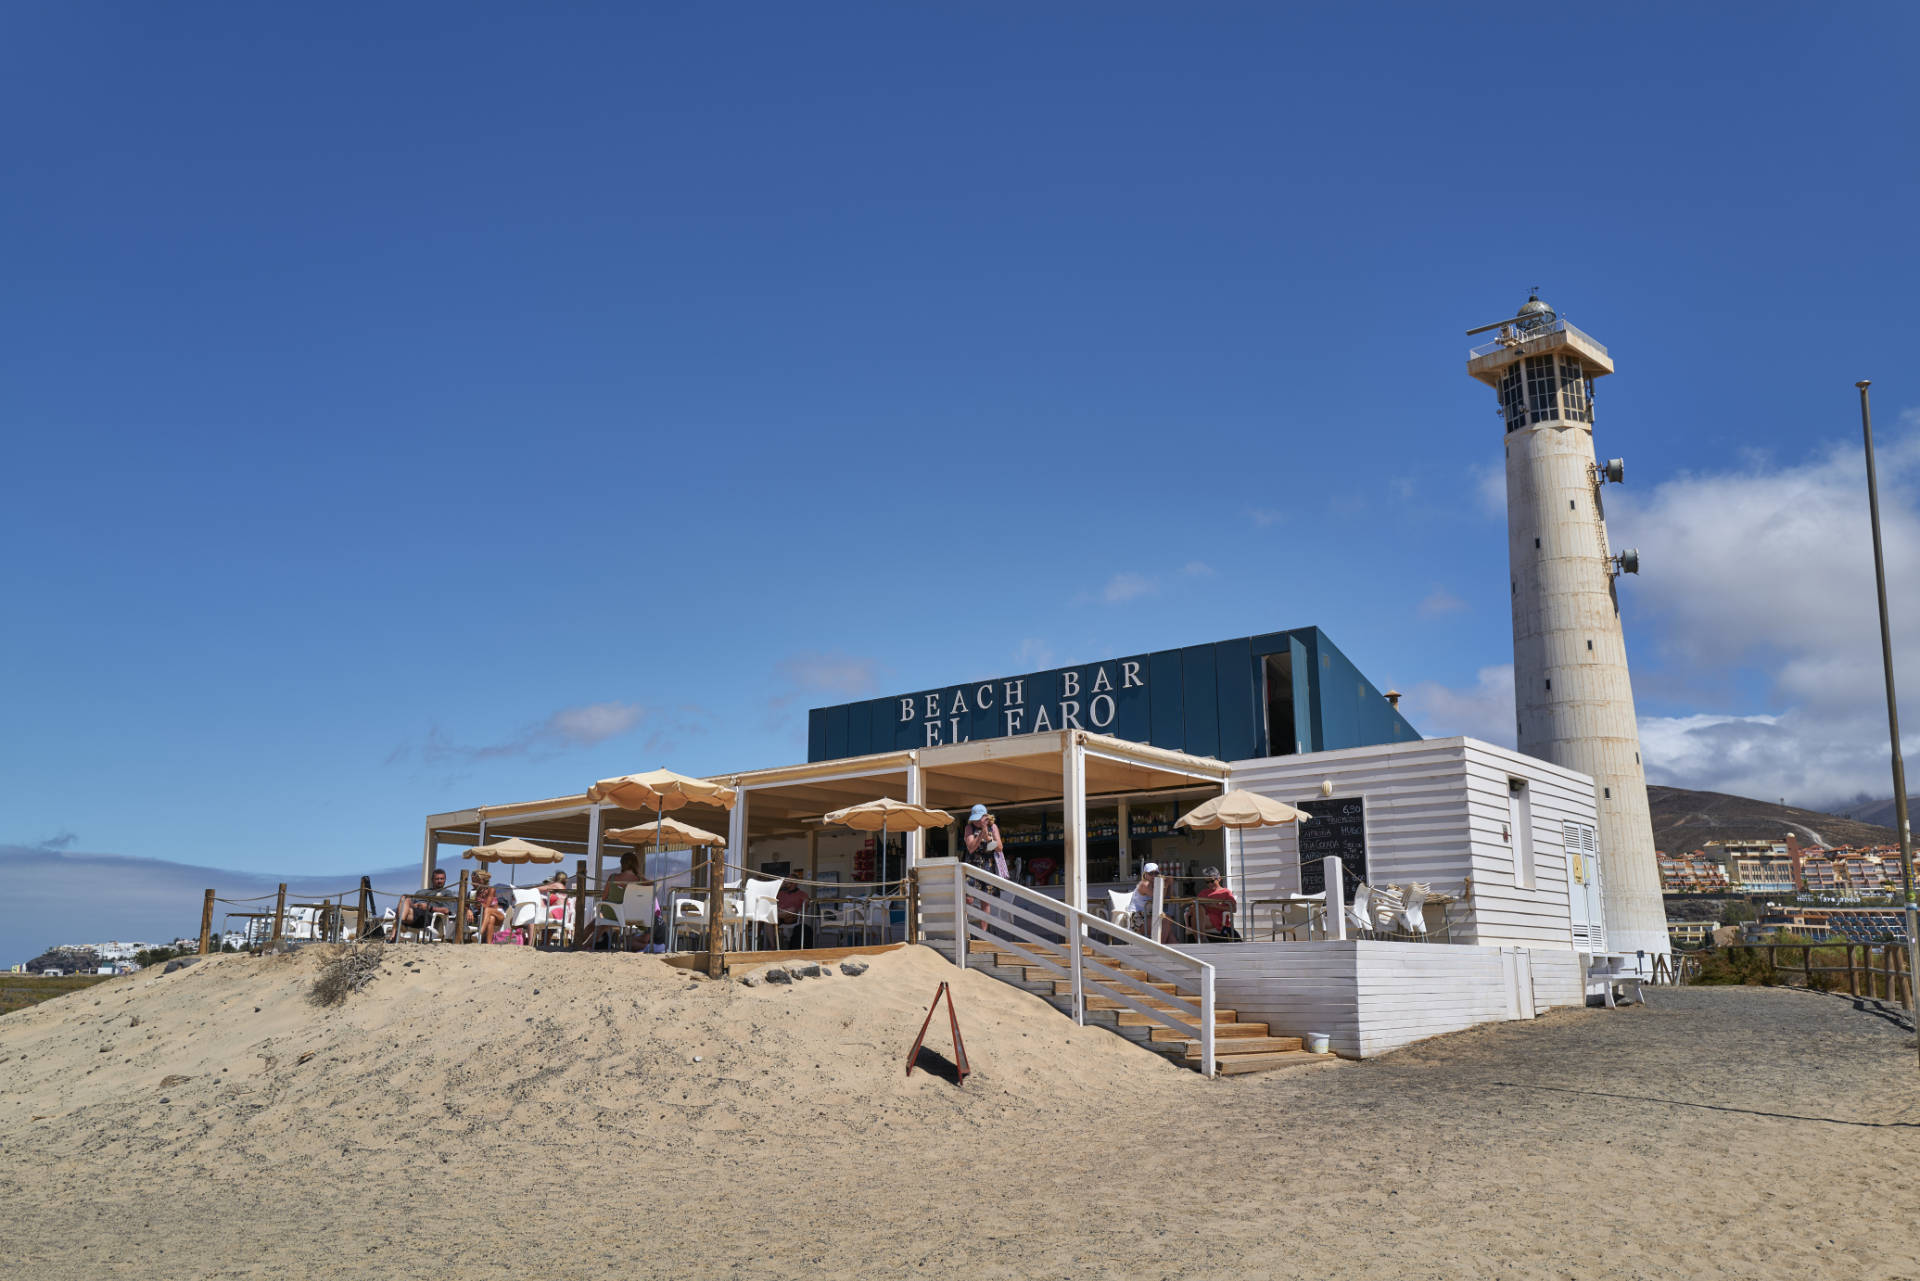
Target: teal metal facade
<point>1273,695</point>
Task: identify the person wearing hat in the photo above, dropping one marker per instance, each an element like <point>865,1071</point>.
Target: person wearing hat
<point>1140,906</point>
<point>980,845</point>
<point>1217,914</point>
<point>981,842</point>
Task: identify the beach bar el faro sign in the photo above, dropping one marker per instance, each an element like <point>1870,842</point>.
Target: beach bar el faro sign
<point>1110,697</point>
<point>1073,702</point>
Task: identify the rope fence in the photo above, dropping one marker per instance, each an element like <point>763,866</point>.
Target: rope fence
<point>452,914</point>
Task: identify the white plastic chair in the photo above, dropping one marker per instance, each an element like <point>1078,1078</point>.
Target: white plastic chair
<point>1359,913</point>
<point>1413,916</point>
<point>843,916</point>
<point>687,913</point>
<point>527,910</point>
<point>428,933</point>
<point>1386,904</point>
<point>634,911</point>
<point>1119,907</point>
<point>757,904</point>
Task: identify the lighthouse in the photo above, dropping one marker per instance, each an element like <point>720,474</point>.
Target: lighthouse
<point>1573,696</point>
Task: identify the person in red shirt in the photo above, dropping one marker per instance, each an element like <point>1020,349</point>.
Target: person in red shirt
<point>791,903</point>
<point>1217,913</point>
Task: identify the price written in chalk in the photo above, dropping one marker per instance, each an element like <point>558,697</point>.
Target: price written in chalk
<point>1336,828</point>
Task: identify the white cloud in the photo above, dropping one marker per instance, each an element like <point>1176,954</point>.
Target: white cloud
<point>1198,569</point>
<point>1265,516</point>
<point>1125,587</point>
<point>592,723</point>
<point>1490,488</point>
<point>1768,572</point>
<point>1759,577</point>
<point>1441,602</point>
<point>585,725</point>
<point>1484,711</point>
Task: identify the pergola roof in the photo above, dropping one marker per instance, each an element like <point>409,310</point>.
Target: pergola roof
<point>790,799</point>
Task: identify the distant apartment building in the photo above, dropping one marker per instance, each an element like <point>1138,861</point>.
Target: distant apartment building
<point>1690,874</point>
<point>1691,933</point>
<point>1821,876</point>
<point>1754,867</point>
<point>1839,924</point>
<point>1847,874</point>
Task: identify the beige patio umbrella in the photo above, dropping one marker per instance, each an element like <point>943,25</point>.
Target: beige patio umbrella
<point>513,851</point>
<point>1238,810</point>
<point>660,790</point>
<point>878,816</point>
<point>665,834</point>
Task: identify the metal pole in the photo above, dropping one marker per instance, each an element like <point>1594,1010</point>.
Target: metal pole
<point>1893,707</point>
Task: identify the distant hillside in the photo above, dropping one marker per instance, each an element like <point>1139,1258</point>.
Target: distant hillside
<point>1684,820</point>
<point>1880,812</point>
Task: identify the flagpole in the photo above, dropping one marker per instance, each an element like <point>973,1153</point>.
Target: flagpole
<point>1893,712</point>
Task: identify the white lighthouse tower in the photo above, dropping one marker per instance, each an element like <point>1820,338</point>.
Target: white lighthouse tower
<point>1572,693</point>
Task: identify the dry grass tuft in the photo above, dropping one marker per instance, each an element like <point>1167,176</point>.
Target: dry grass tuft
<point>346,972</point>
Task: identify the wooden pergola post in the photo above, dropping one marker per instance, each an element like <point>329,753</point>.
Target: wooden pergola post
<point>596,851</point>
<point>580,900</point>
<point>206,924</point>
<point>716,946</point>
<point>279,914</point>
<point>460,919</point>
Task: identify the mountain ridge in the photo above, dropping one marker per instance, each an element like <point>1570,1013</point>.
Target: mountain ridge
<point>1684,820</point>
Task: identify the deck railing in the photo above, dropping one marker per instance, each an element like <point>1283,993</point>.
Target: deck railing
<point>1085,950</point>
<point>1524,336</point>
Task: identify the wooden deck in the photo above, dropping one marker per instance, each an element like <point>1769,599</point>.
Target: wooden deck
<point>824,955</point>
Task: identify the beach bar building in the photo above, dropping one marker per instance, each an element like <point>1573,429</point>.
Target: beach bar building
<point>1087,768</point>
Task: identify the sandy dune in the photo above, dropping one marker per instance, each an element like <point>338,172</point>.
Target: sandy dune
<point>495,1111</point>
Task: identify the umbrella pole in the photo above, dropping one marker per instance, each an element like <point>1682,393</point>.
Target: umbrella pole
<point>881,881</point>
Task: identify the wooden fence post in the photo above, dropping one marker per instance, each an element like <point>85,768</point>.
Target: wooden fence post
<point>206,924</point>
<point>913,906</point>
<point>716,947</point>
<point>280,913</point>
<point>580,905</point>
<point>360,908</point>
<point>460,916</point>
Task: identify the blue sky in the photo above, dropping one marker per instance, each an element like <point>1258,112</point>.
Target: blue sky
<point>410,407</point>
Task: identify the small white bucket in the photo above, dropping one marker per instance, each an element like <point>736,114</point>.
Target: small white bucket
<point>1316,1042</point>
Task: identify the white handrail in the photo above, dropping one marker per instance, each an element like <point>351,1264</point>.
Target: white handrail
<point>1103,978</point>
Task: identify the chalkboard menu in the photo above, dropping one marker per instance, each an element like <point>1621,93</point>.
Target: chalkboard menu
<point>1337,828</point>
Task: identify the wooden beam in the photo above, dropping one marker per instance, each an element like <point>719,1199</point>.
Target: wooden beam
<point>693,961</point>
<point>206,924</point>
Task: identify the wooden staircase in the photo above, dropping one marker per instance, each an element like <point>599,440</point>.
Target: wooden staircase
<point>1237,1047</point>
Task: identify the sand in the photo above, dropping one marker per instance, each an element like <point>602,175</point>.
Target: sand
<point>495,1111</point>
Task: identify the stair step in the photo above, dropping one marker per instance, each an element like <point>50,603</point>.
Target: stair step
<point>1235,1064</point>
<point>1234,1047</point>
<point>1221,1032</point>
<point>1152,1003</point>
<point>1064,987</point>
<point>1132,1018</point>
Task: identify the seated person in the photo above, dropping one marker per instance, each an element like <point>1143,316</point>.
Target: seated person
<point>415,914</point>
<point>553,894</point>
<point>1216,909</point>
<point>487,911</point>
<point>1140,906</point>
<point>792,905</point>
<point>615,891</point>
